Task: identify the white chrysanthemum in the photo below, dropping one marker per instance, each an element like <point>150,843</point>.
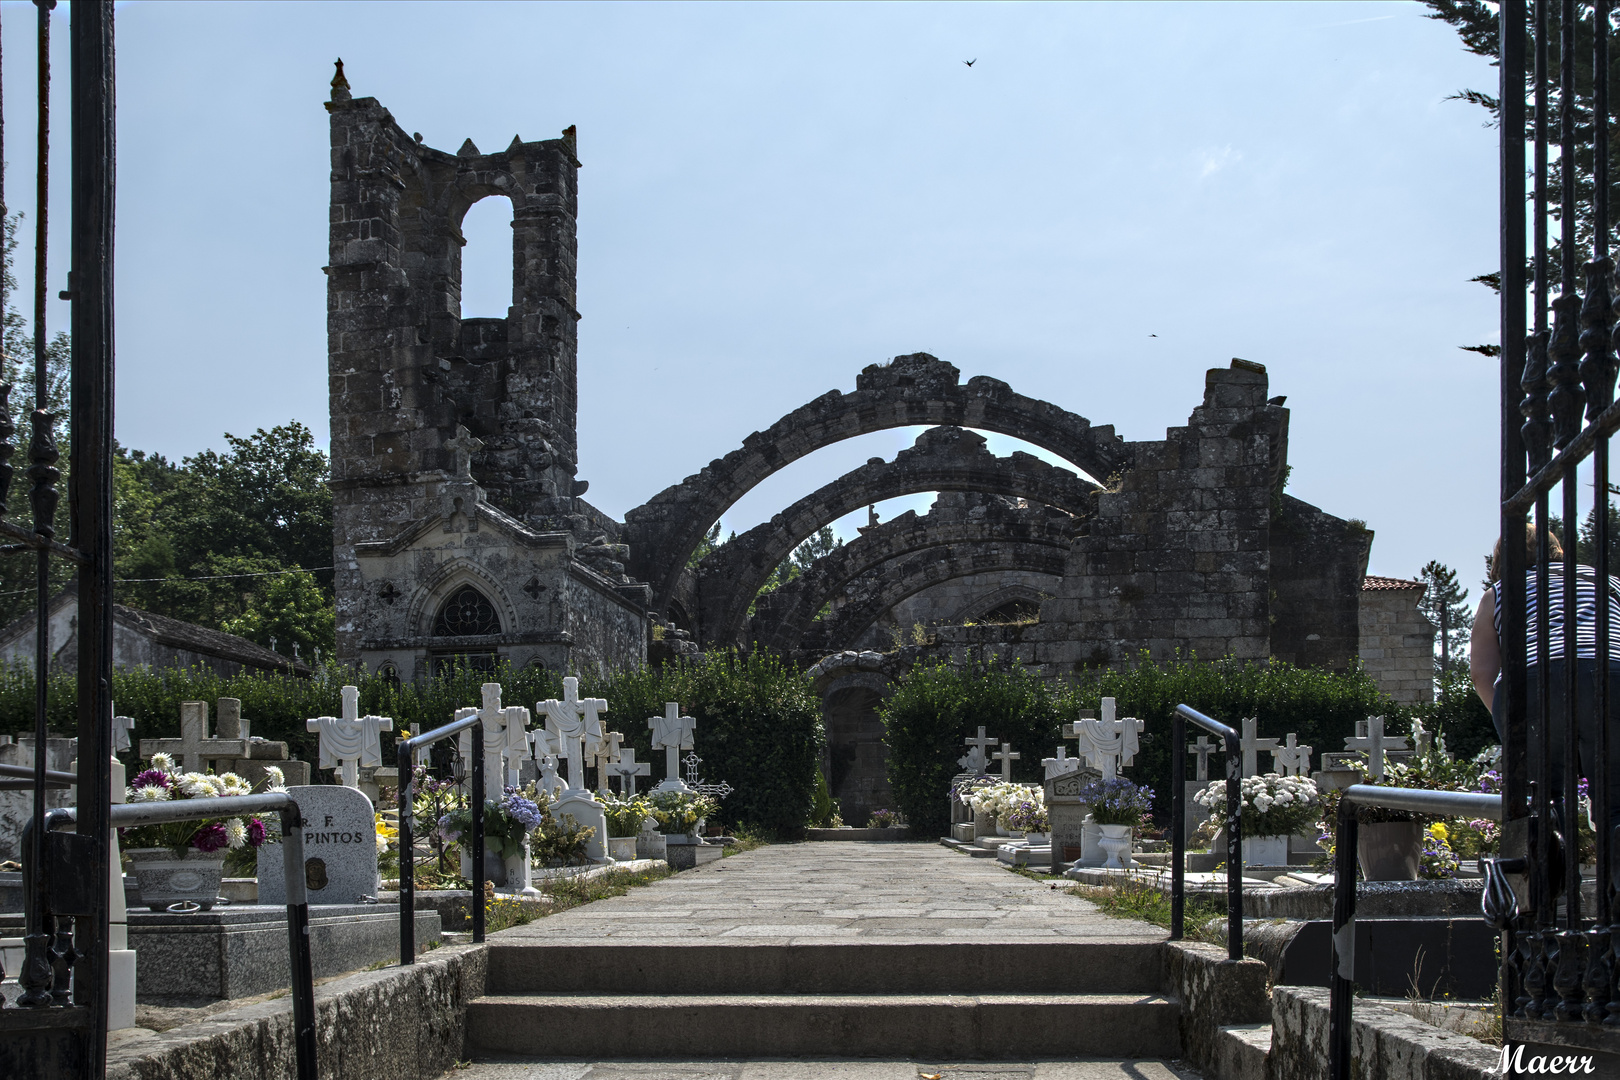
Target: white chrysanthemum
<point>232,784</point>
<point>198,785</point>
<point>235,833</point>
<point>382,843</point>
<point>275,779</point>
<point>152,793</point>
<point>162,761</point>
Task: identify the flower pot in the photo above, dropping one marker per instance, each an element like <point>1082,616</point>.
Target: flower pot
<point>652,845</point>
<point>1116,842</point>
<point>168,880</point>
<point>621,848</point>
<point>1002,830</point>
<point>1037,838</point>
<point>494,865</point>
<point>1265,851</point>
<point>1390,850</point>
<point>983,825</point>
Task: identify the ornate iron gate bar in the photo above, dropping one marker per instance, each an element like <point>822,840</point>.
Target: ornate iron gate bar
<point>60,1028</point>
<point>1559,963</point>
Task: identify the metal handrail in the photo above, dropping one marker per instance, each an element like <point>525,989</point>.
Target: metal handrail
<point>27,776</point>
<point>129,815</point>
<point>1234,825</point>
<point>407,840</point>
<point>1414,800</point>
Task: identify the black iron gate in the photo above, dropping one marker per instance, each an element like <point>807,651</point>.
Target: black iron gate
<point>1561,954</point>
<point>59,1028</point>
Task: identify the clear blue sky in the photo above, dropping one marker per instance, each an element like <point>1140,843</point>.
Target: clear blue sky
<point>775,196</point>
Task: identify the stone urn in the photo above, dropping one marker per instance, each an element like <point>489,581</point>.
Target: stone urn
<point>1116,843</point>
<point>1390,850</point>
<point>1265,851</point>
<point>494,865</point>
<point>621,848</point>
<point>187,881</point>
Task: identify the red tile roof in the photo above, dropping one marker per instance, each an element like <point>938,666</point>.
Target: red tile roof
<point>1372,583</point>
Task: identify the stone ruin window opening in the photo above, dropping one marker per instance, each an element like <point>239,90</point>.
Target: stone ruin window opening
<point>1018,610</point>
<point>488,259</point>
<point>447,664</point>
<point>466,613</point>
<point>388,673</point>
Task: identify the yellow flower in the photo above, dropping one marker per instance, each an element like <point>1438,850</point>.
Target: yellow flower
<point>1438,831</point>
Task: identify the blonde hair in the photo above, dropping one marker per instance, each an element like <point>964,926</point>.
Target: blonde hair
<point>1555,550</point>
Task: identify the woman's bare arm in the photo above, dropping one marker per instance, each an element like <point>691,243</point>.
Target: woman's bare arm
<point>1484,652</point>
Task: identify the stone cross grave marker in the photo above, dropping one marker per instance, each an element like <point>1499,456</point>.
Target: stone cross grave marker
<point>605,757</point>
<point>1203,748</point>
<point>194,749</point>
<point>351,740</point>
<point>543,748</point>
<point>1292,759</point>
<point>122,726</point>
<point>575,724</point>
<point>1061,765</point>
<point>463,446</point>
<point>628,768</point>
<point>340,848</point>
<point>692,761</point>
<point>673,733</point>
<point>1370,738</point>
<point>422,755</point>
<point>976,762</point>
<point>1006,755</point>
<point>506,739</point>
<point>1109,744</point>
<point>228,721</point>
<point>1251,745</point>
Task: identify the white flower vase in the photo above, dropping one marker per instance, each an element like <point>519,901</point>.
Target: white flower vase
<point>1116,843</point>
<point>1002,830</point>
<point>1265,851</point>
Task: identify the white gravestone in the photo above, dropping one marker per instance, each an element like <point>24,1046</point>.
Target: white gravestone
<point>1006,755</point>
<point>575,723</point>
<point>340,848</point>
<point>544,749</point>
<point>506,740</point>
<point>975,760</point>
<point>612,744</point>
<point>672,733</point>
<point>351,740</point>
<point>1196,812</point>
<point>1203,748</point>
<point>1250,744</point>
<point>1069,819</point>
<point>627,768</point>
<point>1371,739</point>
<point>1292,759</point>
<point>1062,765</point>
<point>122,726</point>
<point>1109,744</point>
<point>194,750</point>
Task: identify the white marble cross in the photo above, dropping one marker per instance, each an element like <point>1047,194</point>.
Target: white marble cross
<point>194,749</point>
<point>1291,759</point>
<point>1251,745</point>
<point>605,757</point>
<point>544,746</point>
<point>1061,765</point>
<point>422,755</point>
<point>1203,748</point>
<point>1006,755</point>
<point>628,768</point>
<point>672,732</point>
<point>1371,738</point>
<point>121,726</point>
<point>506,739</point>
<point>975,761</point>
<point>576,725</point>
<point>350,740</point>
<point>1109,744</point>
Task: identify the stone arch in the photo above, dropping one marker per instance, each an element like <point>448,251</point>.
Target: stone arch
<point>910,390</point>
<point>431,595</point>
<point>783,617</point>
<point>981,606</point>
<point>943,459</point>
<point>886,585</point>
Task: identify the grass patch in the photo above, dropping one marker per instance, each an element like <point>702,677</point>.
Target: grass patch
<point>505,912</point>
<point>748,838</point>
<point>1131,899</point>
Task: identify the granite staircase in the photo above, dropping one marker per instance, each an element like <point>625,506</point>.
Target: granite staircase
<point>929,1001</point>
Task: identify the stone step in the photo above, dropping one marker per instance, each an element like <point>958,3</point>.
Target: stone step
<point>933,967</point>
<point>1008,1027</point>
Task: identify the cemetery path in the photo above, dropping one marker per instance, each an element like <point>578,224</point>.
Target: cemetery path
<point>831,892</point>
<point>1125,1069</point>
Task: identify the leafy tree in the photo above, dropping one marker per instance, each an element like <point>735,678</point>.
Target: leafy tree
<point>292,614</point>
<point>710,541</point>
<point>1444,602</point>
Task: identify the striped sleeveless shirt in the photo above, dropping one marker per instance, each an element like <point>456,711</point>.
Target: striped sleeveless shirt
<point>1586,586</point>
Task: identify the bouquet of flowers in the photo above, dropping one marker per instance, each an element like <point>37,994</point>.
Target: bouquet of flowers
<point>679,811</point>
<point>1028,816</point>
<point>507,821</point>
<point>999,799</point>
<point>1437,860</point>
<point>625,817</point>
<point>1117,801</point>
<point>165,783</point>
<point>885,819</point>
<point>1272,805</point>
<point>962,790</point>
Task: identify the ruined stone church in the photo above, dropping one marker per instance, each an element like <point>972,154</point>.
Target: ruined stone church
<point>462,530</point>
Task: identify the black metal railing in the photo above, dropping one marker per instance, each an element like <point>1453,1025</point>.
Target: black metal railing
<point>24,777</point>
<point>407,839</point>
<point>1497,908</point>
<point>48,965</point>
<point>1557,414</point>
<point>1178,826</point>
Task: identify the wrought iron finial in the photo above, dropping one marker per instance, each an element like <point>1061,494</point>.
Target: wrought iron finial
<point>7,430</point>
<point>1597,324</point>
<point>1537,429</point>
<point>1564,370</point>
<point>44,473</point>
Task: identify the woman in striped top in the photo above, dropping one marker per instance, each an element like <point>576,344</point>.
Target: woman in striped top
<point>1485,662</point>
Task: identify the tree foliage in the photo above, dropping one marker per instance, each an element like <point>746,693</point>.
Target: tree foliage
<point>1444,603</point>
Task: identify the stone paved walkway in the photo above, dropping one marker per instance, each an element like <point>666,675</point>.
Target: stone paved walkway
<point>830,892</point>
<point>823,1070</point>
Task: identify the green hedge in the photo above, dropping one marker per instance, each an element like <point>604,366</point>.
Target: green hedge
<point>758,722</point>
<point>935,707</point>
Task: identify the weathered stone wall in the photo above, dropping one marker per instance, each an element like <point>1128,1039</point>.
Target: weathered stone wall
<point>1397,639</point>
<point>955,603</point>
<point>1317,563</point>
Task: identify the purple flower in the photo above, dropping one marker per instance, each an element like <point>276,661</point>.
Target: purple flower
<point>152,778</point>
<point>255,832</point>
<point>210,838</point>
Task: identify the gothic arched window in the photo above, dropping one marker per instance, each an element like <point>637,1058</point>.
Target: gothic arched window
<point>467,613</point>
